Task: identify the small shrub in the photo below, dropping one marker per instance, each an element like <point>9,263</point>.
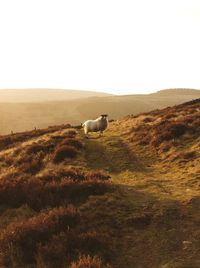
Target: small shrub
<point>166,146</point>
<point>160,132</point>
<point>63,248</point>
<point>92,243</point>
<point>72,142</point>
<point>57,251</point>
<point>8,160</point>
<point>35,148</point>
<point>19,241</point>
<point>177,130</point>
<point>97,175</point>
<point>71,133</point>
<point>64,152</point>
<point>169,116</point>
<point>63,173</point>
<point>148,119</point>
<point>32,166</point>
<point>72,173</point>
<point>51,189</point>
<point>190,155</point>
<point>5,142</point>
<point>89,262</point>
<point>185,156</point>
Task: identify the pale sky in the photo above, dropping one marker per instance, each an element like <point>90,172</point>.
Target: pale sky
<point>121,47</point>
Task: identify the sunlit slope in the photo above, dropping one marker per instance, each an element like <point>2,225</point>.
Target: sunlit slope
<point>154,159</point>
<point>134,194</point>
<point>44,182</point>
<point>26,116</point>
<point>167,141</point>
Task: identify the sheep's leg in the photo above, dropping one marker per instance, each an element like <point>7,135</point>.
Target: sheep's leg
<point>100,133</point>
<point>86,132</point>
<point>86,135</point>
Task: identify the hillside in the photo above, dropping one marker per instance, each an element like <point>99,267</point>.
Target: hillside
<point>128,199</point>
<point>42,95</point>
<point>17,116</point>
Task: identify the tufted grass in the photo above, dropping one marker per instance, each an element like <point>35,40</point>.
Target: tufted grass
<point>149,215</point>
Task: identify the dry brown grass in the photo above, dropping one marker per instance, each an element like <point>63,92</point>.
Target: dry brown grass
<point>71,133</point>
<point>72,142</point>
<point>20,186</point>
<point>64,152</point>
<point>68,147</point>
<point>63,248</point>
<point>20,240</point>
<point>151,211</point>
<point>8,141</point>
<point>72,173</point>
<point>168,126</point>
<point>35,240</point>
<point>39,192</point>
<point>39,237</point>
<point>89,262</point>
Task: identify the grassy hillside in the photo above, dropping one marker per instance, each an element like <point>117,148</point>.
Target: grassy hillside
<point>43,184</point>
<point>162,185</point>
<point>16,116</point>
<point>127,199</point>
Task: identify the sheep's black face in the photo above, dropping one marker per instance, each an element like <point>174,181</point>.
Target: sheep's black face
<point>104,115</point>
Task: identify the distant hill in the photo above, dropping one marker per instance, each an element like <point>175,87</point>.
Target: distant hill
<point>25,116</point>
<point>175,91</point>
<point>119,106</point>
<point>42,95</point>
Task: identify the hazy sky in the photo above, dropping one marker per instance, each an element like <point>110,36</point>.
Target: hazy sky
<point>106,45</point>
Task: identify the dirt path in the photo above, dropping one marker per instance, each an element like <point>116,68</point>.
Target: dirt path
<point>122,211</point>
<point>145,221</point>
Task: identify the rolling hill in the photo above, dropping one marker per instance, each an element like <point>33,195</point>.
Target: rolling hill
<point>127,199</point>
<point>20,116</point>
<point>43,95</point>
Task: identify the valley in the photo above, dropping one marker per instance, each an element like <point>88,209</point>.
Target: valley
<point>24,110</point>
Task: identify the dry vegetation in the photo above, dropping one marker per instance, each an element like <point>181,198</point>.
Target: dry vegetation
<point>128,199</point>
<point>8,141</point>
<point>39,183</point>
<point>165,144</point>
<point>172,133</point>
<point>168,125</point>
<point>90,262</point>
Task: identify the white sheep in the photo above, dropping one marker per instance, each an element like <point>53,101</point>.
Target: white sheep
<point>99,124</point>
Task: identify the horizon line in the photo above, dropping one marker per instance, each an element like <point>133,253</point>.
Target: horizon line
<point>98,91</point>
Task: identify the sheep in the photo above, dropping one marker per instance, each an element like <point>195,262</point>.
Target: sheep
<point>99,124</point>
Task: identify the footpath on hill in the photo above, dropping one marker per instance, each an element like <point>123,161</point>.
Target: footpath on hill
<point>149,227</point>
